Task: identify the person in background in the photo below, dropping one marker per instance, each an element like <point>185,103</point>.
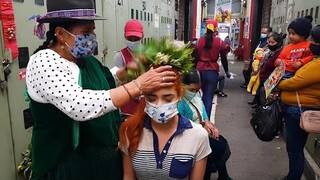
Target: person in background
<point>133,33</point>
<point>263,43</point>
<point>194,54</point>
<point>305,85</point>
<point>209,48</point>
<point>227,41</point>
<point>74,98</point>
<point>157,142</point>
<point>296,54</point>
<point>275,45</point>
<point>239,52</point>
<point>220,87</point>
<point>191,106</point>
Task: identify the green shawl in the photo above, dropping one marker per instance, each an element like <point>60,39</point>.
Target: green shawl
<point>96,156</point>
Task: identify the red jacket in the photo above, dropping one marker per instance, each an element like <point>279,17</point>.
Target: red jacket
<point>296,52</point>
<point>208,57</point>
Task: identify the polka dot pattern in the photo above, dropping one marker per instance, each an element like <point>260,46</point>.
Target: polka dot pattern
<point>53,79</point>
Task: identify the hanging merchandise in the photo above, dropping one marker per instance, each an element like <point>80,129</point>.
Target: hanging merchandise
<point>9,27</point>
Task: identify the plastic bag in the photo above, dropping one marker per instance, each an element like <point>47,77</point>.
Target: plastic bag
<point>267,121</point>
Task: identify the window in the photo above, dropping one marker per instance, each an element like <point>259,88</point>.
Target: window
<point>145,16</point>
<point>151,17</point>
<point>316,15</point>
<point>21,1</point>
<point>141,15</point>
<point>148,16</point>
<point>307,11</point>
<point>137,15</point>
<point>311,12</point>
<point>39,2</point>
<point>132,14</point>
<point>302,13</point>
<point>298,14</point>
<point>176,5</point>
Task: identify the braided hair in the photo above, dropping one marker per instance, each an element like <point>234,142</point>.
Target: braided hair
<point>51,38</point>
<point>209,39</point>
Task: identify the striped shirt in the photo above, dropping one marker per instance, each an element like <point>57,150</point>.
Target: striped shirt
<point>188,144</point>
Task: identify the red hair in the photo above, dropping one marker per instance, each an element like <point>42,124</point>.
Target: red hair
<point>131,130</point>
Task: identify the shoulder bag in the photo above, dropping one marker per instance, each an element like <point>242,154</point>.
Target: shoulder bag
<point>309,119</point>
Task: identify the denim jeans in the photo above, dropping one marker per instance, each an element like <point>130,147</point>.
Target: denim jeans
<point>287,75</point>
<point>209,81</point>
<point>221,80</point>
<point>296,139</point>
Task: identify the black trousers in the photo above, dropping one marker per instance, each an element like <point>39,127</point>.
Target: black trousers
<point>217,158</point>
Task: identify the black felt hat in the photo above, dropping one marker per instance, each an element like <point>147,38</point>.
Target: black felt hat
<point>68,10</point>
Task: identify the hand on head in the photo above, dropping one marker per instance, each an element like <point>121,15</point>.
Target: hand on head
<point>156,78</point>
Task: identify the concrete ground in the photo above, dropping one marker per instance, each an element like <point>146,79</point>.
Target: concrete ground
<point>251,159</point>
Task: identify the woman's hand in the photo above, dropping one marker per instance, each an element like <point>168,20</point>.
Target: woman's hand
<point>156,78</point>
<point>211,129</point>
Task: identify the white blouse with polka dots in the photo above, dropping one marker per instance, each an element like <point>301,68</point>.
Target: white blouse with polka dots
<point>53,79</point>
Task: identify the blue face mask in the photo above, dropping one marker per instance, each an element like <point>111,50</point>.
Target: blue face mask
<point>262,36</point>
<point>84,45</point>
<point>133,45</point>
<point>190,95</point>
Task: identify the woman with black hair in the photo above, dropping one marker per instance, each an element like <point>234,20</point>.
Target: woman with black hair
<point>275,45</point>
<point>74,98</point>
<point>209,48</point>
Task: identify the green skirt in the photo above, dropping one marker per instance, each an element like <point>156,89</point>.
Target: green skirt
<point>89,164</point>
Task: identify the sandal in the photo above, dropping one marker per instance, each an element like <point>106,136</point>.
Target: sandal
<point>222,94</point>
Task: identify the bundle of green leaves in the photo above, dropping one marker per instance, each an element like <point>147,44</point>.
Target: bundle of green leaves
<point>163,52</point>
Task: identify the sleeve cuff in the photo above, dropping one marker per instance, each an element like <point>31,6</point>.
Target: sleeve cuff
<point>108,104</point>
<point>114,74</point>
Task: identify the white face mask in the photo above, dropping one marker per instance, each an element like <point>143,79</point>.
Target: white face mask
<point>262,36</point>
<point>133,45</point>
<point>161,113</point>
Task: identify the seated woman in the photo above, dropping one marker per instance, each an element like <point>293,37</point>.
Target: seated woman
<point>192,107</point>
<point>157,142</point>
